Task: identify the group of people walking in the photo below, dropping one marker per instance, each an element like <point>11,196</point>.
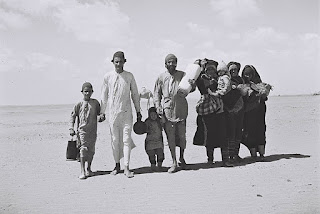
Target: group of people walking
<point>231,110</point>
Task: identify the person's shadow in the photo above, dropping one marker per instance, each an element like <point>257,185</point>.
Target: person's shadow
<point>197,166</point>
<point>246,161</point>
<point>137,171</point>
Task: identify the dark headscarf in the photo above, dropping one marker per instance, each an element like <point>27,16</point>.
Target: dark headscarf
<point>209,62</point>
<point>234,63</point>
<point>249,69</point>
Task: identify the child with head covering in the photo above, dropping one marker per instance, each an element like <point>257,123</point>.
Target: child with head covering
<point>87,114</point>
<point>154,140</point>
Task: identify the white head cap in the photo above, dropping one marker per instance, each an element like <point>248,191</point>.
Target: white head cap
<point>222,66</point>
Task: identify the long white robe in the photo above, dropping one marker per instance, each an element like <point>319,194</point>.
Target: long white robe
<point>116,91</point>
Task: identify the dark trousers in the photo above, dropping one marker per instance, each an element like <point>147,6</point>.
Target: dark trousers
<point>155,152</point>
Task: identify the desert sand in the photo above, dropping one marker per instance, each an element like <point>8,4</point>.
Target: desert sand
<point>36,178</point>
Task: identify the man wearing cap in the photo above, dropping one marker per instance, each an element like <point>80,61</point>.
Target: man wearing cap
<point>117,87</point>
<point>174,109</point>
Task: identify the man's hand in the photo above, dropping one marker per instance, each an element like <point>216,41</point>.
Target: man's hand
<point>192,82</point>
<point>101,117</point>
<point>72,132</point>
<point>139,116</point>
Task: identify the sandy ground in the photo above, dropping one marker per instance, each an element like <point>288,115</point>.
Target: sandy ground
<point>36,178</point>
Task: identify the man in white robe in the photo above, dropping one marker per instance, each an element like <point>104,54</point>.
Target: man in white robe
<point>117,87</point>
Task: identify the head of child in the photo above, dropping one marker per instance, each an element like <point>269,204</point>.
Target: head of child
<point>223,69</point>
<point>87,91</point>
<point>152,113</point>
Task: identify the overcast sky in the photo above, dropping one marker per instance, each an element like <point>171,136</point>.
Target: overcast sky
<point>48,48</point>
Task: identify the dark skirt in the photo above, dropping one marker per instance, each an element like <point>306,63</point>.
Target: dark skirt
<point>211,131</point>
<point>235,126</point>
<point>254,127</point>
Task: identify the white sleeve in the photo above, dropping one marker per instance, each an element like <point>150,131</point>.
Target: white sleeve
<point>104,95</point>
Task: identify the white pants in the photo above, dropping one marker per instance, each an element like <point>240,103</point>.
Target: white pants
<point>121,140</point>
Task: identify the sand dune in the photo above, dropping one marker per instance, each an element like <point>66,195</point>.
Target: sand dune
<point>36,178</point>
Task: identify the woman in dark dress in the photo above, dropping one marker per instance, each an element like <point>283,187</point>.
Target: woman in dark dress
<point>211,119</point>
<point>233,104</point>
<point>254,130</point>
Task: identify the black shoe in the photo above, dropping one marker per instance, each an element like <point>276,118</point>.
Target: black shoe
<point>237,159</point>
<point>261,158</point>
<point>210,161</point>
<point>227,164</point>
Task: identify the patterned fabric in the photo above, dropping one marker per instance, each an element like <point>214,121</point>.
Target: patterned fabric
<point>209,104</point>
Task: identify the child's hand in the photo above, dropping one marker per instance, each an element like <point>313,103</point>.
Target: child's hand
<point>139,116</point>
<point>72,132</point>
<point>212,93</point>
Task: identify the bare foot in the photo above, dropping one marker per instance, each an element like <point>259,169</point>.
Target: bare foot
<point>82,176</point>
<point>115,171</point>
<point>128,173</point>
<point>153,167</point>
<point>172,169</point>
<point>89,173</point>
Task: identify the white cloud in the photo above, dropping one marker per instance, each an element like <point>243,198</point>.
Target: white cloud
<point>309,46</point>
<point>166,46</point>
<point>198,29</point>
<point>232,11</point>
<point>9,61</point>
<point>266,37</point>
<point>34,8</point>
<point>99,22</point>
<point>32,62</point>
<point>13,20</point>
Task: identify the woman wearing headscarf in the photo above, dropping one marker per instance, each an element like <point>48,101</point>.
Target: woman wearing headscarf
<point>254,130</point>
<point>233,104</point>
<point>211,119</point>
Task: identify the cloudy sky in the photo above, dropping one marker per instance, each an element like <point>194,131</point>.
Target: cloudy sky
<point>48,48</point>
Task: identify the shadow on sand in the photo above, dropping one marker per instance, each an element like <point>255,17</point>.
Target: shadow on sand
<point>245,161</point>
<point>197,166</point>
